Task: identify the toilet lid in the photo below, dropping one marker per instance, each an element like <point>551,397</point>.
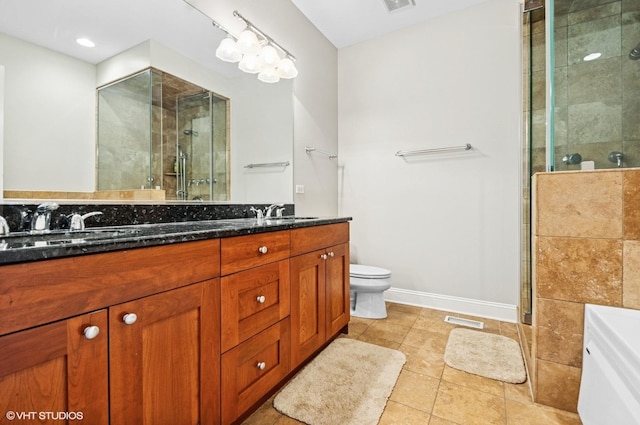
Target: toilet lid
<point>368,272</point>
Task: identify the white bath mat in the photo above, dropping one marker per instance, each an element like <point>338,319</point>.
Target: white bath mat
<point>348,383</point>
<point>481,353</point>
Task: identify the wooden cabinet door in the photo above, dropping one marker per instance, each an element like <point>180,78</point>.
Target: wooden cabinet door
<point>337,289</point>
<point>55,368</point>
<point>165,365</point>
<point>307,305</point>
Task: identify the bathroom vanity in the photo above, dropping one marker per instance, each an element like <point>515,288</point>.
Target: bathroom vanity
<point>181,323</point>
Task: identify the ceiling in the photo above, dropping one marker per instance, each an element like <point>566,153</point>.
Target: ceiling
<point>347,22</point>
<point>52,23</point>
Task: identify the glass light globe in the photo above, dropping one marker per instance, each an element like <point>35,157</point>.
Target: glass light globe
<point>286,69</point>
<point>269,56</point>
<point>228,51</point>
<point>268,75</point>
<point>248,43</point>
<point>250,64</point>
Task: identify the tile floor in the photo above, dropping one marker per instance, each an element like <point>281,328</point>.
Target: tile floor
<point>428,392</point>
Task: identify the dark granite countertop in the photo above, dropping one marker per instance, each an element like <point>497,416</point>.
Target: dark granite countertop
<point>24,247</point>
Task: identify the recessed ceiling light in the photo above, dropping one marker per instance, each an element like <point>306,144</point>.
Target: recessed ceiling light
<point>591,56</point>
<point>85,42</point>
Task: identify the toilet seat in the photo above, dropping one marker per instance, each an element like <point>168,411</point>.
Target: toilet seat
<point>368,272</point>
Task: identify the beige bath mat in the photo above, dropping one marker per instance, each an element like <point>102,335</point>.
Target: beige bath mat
<point>348,383</point>
<point>485,354</point>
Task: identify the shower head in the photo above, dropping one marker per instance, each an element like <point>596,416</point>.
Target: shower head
<point>634,54</point>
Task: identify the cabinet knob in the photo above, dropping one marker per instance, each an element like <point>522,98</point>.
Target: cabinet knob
<point>261,299</point>
<point>331,254</point>
<point>323,256</point>
<point>261,365</point>
<point>129,318</point>
<point>91,332</point>
<point>262,250</point>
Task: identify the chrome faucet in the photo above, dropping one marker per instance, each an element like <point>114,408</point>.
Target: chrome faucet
<point>76,221</point>
<point>271,208</point>
<point>4,226</point>
<point>259,213</point>
<point>41,220</point>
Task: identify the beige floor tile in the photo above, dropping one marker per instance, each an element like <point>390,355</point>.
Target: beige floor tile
<point>265,415</point>
<point>373,339</point>
<point>399,317</point>
<point>426,339</point>
<point>387,330</point>
<point>404,307</point>
<point>476,382</point>
<point>467,406</point>
<point>415,390</point>
<point>396,414</point>
<point>439,421</point>
<point>535,414</point>
<point>356,328</point>
<point>420,360</point>
<point>428,391</point>
<point>518,392</point>
<point>433,324</point>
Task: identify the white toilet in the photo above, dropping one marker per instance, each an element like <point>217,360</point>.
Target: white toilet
<point>368,284</point>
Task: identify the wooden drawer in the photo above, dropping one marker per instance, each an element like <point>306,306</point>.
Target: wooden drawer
<point>253,300</point>
<point>40,292</point>
<point>309,239</point>
<point>253,368</point>
<point>243,252</point>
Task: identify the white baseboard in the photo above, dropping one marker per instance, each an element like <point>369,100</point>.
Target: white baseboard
<point>487,309</point>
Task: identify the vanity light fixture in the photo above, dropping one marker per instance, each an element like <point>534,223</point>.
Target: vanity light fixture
<point>85,42</point>
<point>256,53</point>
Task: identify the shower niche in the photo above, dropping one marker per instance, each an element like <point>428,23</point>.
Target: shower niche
<point>159,132</point>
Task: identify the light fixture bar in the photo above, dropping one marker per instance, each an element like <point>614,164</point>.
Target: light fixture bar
<point>261,34</point>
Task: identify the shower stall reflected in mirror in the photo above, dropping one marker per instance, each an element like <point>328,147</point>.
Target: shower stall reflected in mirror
<point>160,133</point>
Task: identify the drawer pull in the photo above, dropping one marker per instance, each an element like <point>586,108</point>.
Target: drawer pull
<point>129,318</point>
<point>91,332</point>
<point>261,299</point>
<point>262,250</point>
<point>261,365</point>
<point>323,256</point>
<point>331,254</point>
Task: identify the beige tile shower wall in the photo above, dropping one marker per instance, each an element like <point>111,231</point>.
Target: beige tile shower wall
<point>586,251</point>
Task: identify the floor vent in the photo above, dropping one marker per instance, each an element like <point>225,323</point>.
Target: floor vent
<point>464,322</point>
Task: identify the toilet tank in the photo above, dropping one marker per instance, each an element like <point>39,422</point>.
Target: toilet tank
<point>610,385</point>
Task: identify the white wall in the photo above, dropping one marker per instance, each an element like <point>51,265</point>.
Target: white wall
<point>52,136</point>
<point>315,88</point>
<point>446,225</point>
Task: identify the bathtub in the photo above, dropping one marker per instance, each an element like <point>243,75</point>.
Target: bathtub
<point>610,385</point>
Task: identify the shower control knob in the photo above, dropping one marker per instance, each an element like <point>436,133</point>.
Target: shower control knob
<point>129,318</point>
<point>261,299</point>
<point>261,365</point>
<point>91,332</point>
<point>262,250</point>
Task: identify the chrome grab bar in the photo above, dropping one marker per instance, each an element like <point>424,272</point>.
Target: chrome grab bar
<point>466,147</point>
<point>268,164</point>
<point>310,149</point>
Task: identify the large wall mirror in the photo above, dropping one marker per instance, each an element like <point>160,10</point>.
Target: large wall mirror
<point>53,88</point>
